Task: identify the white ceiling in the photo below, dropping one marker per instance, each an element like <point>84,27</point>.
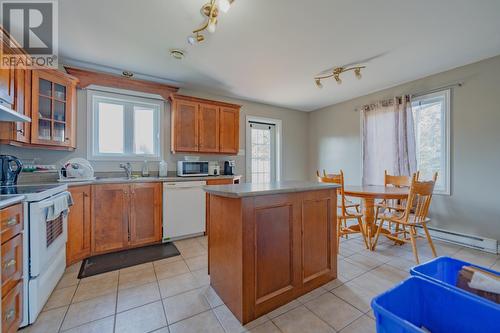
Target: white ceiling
<point>269,50</point>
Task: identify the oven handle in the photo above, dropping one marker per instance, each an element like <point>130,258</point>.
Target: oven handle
<point>50,201</point>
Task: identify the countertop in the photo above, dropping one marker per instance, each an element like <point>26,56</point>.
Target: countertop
<point>249,190</point>
<point>9,200</point>
<point>124,180</point>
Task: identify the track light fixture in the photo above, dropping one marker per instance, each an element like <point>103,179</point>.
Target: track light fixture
<point>335,73</point>
<point>211,11</point>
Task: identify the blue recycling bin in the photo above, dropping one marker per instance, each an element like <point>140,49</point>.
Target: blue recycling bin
<point>421,305</point>
<point>444,270</point>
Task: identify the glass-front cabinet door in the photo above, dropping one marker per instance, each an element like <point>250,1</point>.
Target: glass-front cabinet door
<point>53,99</point>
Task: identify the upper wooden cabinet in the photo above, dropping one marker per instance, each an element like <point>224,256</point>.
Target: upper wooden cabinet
<point>209,115</point>
<point>204,126</point>
<point>53,109</point>
<point>229,130</point>
<point>185,126</point>
<point>48,97</point>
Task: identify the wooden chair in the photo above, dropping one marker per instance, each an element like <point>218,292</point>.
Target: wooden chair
<point>344,213</point>
<point>394,205</point>
<point>414,214</point>
<point>348,203</point>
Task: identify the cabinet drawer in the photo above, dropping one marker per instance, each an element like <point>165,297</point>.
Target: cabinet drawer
<point>12,263</point>
<point>12,221</point>
<point>12,305</point>
<point>225,181</point>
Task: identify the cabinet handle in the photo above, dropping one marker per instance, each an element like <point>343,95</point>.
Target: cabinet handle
<point>10,314</point>
<point>11,262</point>
<point>12,221</point>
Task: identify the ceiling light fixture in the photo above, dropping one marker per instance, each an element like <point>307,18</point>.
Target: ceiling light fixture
<point>335,73</point>
<point>211,12</point>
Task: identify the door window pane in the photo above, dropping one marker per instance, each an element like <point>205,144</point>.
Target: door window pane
<point>111,128</point>
<point>144,124</point>
<point>262,153</point>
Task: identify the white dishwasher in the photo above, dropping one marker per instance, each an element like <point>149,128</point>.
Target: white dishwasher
<point>183,209</point>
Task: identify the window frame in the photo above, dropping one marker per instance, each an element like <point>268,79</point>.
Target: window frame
<point>446,126</point>
<point>129,101</point>
<point>278,143</point>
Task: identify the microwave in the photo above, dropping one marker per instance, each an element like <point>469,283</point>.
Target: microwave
<point>192,168</point>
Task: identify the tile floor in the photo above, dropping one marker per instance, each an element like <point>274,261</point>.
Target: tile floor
<point>173,295</point>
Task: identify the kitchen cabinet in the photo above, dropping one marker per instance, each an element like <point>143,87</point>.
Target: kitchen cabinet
<point>53,109</point>
<point>6,77</point>
<point>229,130</point>
<point>47,96</point>
<point>79,220</point>
<point>125,215</point>
<point>110,217</point>
<point>204,126</point>
<point>269,249</point>
<point>11,271</point>
<point>145,213</point>
<point>209,128</point>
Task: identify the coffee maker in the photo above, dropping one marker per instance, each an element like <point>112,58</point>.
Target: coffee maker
<point>10,168</point>
<point>229,168</point>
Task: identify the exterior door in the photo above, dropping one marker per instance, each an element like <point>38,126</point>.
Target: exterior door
<point>78,245</point>
<point>262,152</point>
<point>145,217</point>
<point>186,126</point>
<point>110,212</point>
<point>209,128</point>
<point>229,133</point>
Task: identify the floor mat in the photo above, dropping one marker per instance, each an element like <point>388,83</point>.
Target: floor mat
<point>112,261</point>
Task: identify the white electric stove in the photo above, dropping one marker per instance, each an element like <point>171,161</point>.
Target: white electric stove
<point>44,244</point>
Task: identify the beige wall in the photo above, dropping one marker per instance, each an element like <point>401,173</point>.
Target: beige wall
<point>294,137</point>
<point>474,206</point>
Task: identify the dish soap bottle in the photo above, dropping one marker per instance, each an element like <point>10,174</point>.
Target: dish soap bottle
<point>145,169</point>
<point>163,170</point>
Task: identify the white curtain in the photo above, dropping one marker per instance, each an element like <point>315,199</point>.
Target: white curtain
<point>388,140</point>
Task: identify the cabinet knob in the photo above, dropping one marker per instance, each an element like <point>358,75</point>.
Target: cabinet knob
<point>11,262</point>
<point>12,221</point>
<point>10,314</point>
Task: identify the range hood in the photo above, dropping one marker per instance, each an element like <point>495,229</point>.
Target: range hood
<point>7,114</point>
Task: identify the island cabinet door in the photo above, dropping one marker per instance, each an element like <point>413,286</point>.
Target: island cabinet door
<point>145,217</point>
<point>318,238</point>
<point>274,234</point>
<point>110,216</point>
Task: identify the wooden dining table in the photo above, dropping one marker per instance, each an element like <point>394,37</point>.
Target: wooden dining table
<point>368,194</point>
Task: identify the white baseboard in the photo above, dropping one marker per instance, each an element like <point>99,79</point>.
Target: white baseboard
<point>475,242</point>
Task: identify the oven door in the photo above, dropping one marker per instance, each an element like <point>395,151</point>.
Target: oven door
<point>47,238</point>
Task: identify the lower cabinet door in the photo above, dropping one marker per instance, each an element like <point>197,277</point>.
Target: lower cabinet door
<point>110,217</point>
<point>78,245</point>
<point>12,309</point>
<point>145,217</point>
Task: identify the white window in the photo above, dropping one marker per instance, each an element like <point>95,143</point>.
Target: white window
<point>123,127</point>
<point>431,115</point>
<point>263,150</point>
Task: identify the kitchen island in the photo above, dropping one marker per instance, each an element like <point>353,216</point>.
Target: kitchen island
<point>270,243</point>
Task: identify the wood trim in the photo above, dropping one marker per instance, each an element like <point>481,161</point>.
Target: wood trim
<point>88,78</point>
<point>204,101</point>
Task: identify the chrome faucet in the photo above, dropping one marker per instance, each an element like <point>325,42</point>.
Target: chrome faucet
<point>128,169</point>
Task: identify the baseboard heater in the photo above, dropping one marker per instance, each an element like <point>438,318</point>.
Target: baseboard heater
<point>475,242</point>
